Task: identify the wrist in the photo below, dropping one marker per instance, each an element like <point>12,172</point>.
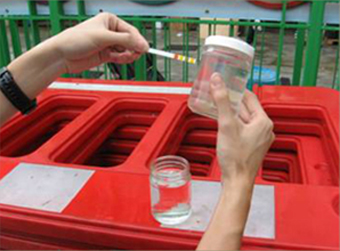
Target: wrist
<point>238,175</point>
<point>45,55</point>
<point>35,70</point>
<point>237,187</point>
<point>51,49</point>
<point>232,209</point>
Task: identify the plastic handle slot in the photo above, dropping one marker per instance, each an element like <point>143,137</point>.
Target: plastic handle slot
<point>29,133</point>
<point>122,127</point>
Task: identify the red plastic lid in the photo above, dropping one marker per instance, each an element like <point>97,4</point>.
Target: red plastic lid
<point>275,5</point>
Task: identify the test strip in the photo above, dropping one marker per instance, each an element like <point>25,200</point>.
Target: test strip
<point>175,56</point>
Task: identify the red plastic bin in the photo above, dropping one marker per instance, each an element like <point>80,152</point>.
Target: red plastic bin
<point>117,134</point>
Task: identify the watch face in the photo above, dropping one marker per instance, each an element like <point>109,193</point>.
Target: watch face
<point>14,94</point>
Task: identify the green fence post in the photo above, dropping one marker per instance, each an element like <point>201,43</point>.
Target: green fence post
<point>314,43</point>
<point>32,8</point>
<point>261,54</point>
<point>254,59</point>
<point>27,34</point>
<point>56,10</point>
<point>232,30</point>
<point>82,15</point>
<point>81,8</point>
<point>13,27</point>
<point>281,38</point>
<point>298,61</point>
<point>198,43</point>
<point>166,48</point>
<point>140,65</point>
<point>185,64</point>
<point>169,46</point>
<point>154,57</point>
<point>4,48</point>
<point>336,70</point>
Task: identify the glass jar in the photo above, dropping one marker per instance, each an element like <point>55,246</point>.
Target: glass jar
<point>232,59</point>
<point>170,181</point>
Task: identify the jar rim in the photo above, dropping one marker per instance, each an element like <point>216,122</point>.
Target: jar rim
<point>230,52</point>
<point>164,162</point>
<point>231,43</point>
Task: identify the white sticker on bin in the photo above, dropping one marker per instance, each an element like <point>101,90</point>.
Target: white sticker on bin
<point>42,187</point>
<point>205,195</point>
<point>120,88</point>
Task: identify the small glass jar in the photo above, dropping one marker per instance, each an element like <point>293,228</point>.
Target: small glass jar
<point>232,59</point>
<point>170,181</point>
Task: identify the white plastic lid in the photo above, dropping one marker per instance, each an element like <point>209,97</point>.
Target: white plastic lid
<point>232,43</point>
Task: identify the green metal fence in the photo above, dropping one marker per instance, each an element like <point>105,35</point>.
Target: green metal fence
<point>20,33</point>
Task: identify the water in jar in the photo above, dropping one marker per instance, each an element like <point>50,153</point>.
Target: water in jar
<point>234,70</point>
<point>170,195</point>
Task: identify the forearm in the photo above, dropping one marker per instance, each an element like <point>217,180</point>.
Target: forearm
<point>33,72</point>
<point>228,222</point>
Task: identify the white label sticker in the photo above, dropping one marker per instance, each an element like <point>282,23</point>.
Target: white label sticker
<point>120,88</point>
<point>43,187</point>
<point>205,195</point>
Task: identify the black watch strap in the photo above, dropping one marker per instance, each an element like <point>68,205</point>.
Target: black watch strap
<point>14,94</point>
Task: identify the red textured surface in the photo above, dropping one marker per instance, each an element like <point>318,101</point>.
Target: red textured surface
<point>269,5</point>
<point>118,134</point>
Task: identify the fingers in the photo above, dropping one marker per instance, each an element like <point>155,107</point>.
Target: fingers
<point>126,57</point>
<point>117,25</point>
<point>133,42</point>
<point>244,113</point>
<point>220,95</point>
<point>118,55</point>
<point>252,103</point>
<point>104,56</point>
<point>123,26</point>
<point>118,48</point>
<point>108,31</point>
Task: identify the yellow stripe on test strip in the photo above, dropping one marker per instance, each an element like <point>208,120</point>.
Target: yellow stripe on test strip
<point>172,55</point>
<point>185,59</point>
<point>191,61</point>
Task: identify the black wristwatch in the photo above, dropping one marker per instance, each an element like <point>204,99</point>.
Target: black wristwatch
<point>14,94</point>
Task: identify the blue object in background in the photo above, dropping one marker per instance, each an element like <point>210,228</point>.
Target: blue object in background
<point>268,77</point>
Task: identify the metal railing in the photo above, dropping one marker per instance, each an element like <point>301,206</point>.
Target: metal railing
<point>19,33</point>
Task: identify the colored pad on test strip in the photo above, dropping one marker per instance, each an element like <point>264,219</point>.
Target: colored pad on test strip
<point>185,59</point>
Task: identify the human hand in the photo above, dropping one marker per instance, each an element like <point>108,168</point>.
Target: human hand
<point>103,38</point>
<point>242,140</point>
<point>242,143</point>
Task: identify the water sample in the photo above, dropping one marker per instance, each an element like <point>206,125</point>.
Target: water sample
<point>170,182</point>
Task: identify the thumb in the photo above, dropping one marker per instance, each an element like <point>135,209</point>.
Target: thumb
<point>220,95</point>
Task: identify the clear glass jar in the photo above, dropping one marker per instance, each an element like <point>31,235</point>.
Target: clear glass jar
<point>170,181</point>
<point>232,59</point>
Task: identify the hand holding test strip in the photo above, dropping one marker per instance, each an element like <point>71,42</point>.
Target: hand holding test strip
<point>172,55</point>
